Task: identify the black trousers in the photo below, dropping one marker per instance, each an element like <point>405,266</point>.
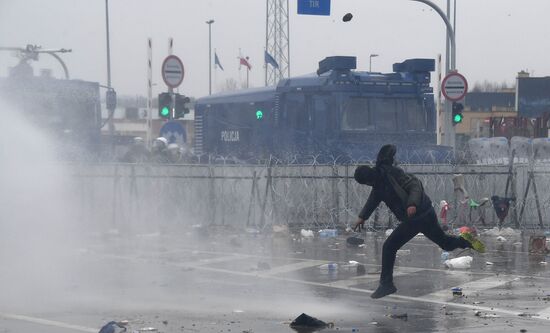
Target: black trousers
<point>425,223</point>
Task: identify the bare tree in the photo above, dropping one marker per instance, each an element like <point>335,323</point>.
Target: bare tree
<point>487,86</point>
<point>229,85</point>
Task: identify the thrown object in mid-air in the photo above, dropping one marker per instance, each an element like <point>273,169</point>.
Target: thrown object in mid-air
<point>347,17</point>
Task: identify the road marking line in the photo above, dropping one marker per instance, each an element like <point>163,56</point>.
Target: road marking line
<point>365,291</point>
<point>446,270</point>
<point>47,322</point>
<point>347,283</point>
<point>544,314</point>
<point>292,267</point>
<point>209,261</point>
<point>473,287</point>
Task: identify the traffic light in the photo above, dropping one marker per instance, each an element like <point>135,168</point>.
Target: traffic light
<point>110,99</point>
<point>457,113</point>
<point>165,105</point>
<point>180,109</point>
<point>259,114</point>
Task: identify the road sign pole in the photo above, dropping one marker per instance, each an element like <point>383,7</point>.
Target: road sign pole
<point>149,92</point>
<point>454,87</point>
<point>171,89</point>
<point>449,137</point>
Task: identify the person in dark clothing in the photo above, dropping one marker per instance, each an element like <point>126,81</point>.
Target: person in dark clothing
<point>404,195</point>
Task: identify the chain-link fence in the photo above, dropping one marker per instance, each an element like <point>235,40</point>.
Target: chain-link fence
<point>171,197</point>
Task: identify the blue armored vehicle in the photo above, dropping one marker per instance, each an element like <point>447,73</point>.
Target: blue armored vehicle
<point>335,115</point>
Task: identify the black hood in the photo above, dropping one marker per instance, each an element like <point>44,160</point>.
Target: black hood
<point>386,155</point>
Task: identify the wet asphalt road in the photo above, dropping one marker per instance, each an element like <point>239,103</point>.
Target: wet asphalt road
<point>220,280</point>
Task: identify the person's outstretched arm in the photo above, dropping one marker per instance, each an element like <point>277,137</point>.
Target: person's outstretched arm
<point>372,202</point>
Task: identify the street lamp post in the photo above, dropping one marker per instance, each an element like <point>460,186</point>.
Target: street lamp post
<point>209,22</point>
<point>110,111</point>
<point>449,139</point>
<point>370,61</point>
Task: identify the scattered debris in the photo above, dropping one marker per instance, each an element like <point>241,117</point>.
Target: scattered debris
<point>463,230</point>
<point>457,291</point>
<point>501,239</point>
<point>526,314</point>
<point>347,17</point>
<point>114,326</point>
<point>148,329</point>
<point>306,233</point>
<point>373,323</point>
<point>486,315</point>
<point>523,330</point>
<point>388,232</point>
<point>355,241</point>
<point>537,244</point>
<point>238,311</point>
<point>403,316</point>
<point>253,231</point>
<point>543,263</point>
<point>280,229</point>
<point>502,232</point>
<point>488,263</point>
<point>165,322</point>
<point>306,321</point>
<point>444,255</point>
<point>459,263</point>
<point>328,233</point>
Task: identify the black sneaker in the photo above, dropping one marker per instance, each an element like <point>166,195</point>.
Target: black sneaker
<point>383,290</point>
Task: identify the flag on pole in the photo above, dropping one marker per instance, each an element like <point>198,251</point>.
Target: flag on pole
<point>217,61</point>
<point>270,60</point>
<point>244,62</point>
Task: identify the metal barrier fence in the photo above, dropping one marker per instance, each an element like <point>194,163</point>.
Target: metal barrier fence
<point>150,197</point>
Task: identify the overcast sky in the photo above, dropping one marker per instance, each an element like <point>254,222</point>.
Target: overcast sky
<point>495,38</point>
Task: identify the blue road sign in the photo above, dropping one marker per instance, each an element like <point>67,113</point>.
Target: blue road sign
<point>174,132</point>
<point>314,7</point>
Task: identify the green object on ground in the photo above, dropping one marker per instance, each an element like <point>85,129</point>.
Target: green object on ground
<point>476,243</point>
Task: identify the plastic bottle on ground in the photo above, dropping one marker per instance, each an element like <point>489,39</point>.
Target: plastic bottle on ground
<point>351,265</point>
<point>460,262</point>
<point>306,233</point>
<point>444,255</point>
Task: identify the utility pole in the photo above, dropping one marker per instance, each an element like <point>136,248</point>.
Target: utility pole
<point>110,107</point>
<point>449,138</point>
<point>209,22</point>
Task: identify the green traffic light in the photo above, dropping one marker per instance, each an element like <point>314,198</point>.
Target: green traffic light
<point>259,114</point>
<point>457,118</point>
<point>165,112</point>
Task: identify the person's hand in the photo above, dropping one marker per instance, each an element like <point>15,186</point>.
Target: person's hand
<point>411,211</point>
<point>359,224</point>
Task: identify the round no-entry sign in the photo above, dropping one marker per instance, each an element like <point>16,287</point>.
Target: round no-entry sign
<point>172,71</point>
<point>454,86</point>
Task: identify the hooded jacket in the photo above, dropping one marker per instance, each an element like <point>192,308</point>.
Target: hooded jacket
<point>396,188</point>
